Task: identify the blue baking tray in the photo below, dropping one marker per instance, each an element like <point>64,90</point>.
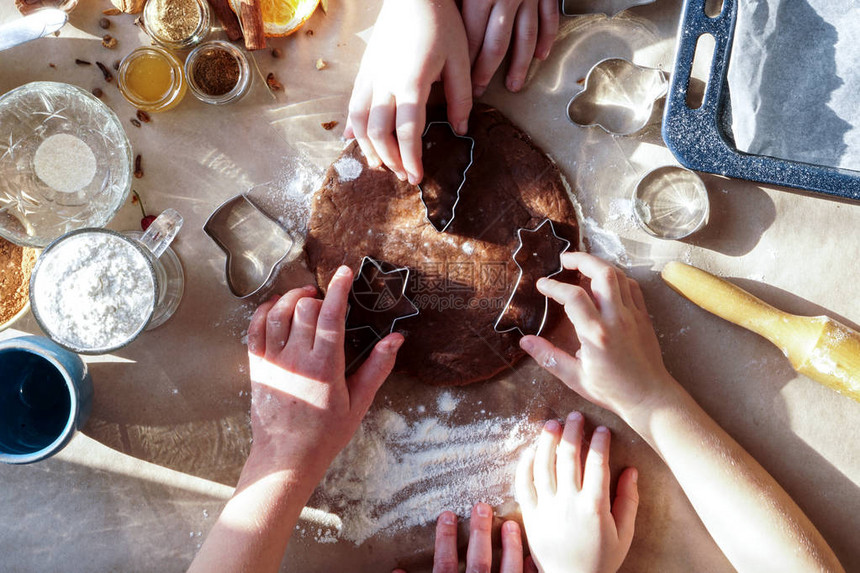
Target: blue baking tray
<point>701,138</point>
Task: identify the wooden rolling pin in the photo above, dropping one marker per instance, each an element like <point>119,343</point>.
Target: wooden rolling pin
<point>817,346</point>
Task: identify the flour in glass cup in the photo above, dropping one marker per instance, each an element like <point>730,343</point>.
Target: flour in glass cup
<point>93,291</point>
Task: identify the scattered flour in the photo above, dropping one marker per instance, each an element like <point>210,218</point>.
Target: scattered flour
<point>605,244</point>
<point>348,168</point>
<point>94,291</point>
<point>396,474</point>
<point>447,403</point>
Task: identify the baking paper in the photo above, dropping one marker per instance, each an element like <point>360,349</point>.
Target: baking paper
<point>794,80</point>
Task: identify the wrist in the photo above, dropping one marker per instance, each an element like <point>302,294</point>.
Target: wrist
<point>290,470</point>
<point>666,393</point>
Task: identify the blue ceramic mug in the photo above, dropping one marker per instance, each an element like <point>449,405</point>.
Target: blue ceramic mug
<point>46,394</point>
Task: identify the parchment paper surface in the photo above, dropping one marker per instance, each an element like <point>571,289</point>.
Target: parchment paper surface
<point>141,486</point>
<point>794,80</point>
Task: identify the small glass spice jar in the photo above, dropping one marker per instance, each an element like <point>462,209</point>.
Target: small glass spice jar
<point>152,79</point>
<point>177,24</point>
<point>218,72</point>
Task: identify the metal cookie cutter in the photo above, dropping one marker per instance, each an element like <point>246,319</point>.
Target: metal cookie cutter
<point>254,244</point>
<point>608,7</point>
<point>377,299</point>
<point>618,96</point>
<point>538,255</point>
<point>445,168</point>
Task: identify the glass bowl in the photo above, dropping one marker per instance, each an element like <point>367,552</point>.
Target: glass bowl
<point>32,212</point>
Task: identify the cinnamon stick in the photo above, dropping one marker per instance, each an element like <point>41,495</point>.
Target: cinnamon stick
<point>227,17</point>
<point>251,16</point>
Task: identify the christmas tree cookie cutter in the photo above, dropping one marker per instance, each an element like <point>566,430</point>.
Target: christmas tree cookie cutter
<point>440,202</point>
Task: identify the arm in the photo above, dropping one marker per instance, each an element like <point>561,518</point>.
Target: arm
<point>303,412</point>
<point>414,43</point>
<point>619,367</point>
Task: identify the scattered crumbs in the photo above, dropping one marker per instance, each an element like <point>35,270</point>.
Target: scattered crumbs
<point>321,64</point>
<point>273,83</point>
<point>581,80</point>
<point>348,168</point>
<point>51,65</point>
<point>329,125</point>
<point>205,514</point>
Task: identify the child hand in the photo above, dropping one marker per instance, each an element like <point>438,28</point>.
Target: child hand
<point>479,554</point>
<point>414,43</point>
<point>619,365</point>
<point>493,25</point>
<point>566,510</point>
<point>303,409</point>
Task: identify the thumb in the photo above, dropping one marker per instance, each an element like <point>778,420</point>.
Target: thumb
<point>370,375</point>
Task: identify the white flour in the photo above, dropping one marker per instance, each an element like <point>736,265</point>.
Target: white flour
<point>64,163</point>
<point>396,474</point>
<point>348,168</point>
<point>94,291</point>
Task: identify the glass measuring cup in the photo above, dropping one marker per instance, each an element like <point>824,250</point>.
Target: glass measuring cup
<point>94,291</point>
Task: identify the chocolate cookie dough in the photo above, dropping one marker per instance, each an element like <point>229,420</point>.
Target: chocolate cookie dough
<point>460,279</point>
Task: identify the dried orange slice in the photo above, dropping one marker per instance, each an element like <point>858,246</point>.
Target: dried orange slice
<point>282,17</point>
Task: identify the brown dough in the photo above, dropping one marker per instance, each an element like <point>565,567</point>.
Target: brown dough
<point>460,279</point>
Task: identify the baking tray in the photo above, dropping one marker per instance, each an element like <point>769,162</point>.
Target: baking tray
<point>701,139</point>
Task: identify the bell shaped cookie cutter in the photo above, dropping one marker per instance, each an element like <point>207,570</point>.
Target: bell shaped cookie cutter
<point>255,244</point>
<point>432,207</point>
<point>377,299</point>
<point>525,255</point>
<point>618,96</point>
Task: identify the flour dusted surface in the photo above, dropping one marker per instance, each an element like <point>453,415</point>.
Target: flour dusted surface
<point>94,291</point>
<point>397,474</point>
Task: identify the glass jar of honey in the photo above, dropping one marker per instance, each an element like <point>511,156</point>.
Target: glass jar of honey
<point>152,79</point>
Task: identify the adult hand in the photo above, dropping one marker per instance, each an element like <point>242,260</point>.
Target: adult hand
<point>571,526</point>
<point>479,554</point>
<point>414,43</point>
<point>303,409</point>
<point>619,365</point>
<point>494,25</point>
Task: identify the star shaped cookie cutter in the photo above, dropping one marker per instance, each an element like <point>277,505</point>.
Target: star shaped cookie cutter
<point>547,268</point>
<point>376,295</point>
<point>442,221</point>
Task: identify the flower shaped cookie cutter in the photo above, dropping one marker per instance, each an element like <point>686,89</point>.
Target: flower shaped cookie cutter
<point>440,201</point>
<point>537,255</point>
<point>377,299</point>
<point>618,96</point>
<point>608,7</point>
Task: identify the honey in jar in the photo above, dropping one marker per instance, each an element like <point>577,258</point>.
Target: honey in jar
<point>152,79</point>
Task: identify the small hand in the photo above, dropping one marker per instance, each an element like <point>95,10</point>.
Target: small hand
<point>619,365</point>
<point>566,507</point>
<point>414,43</point>
<point>493,25</point>
<point>479,554</point>
<point>303,409</point>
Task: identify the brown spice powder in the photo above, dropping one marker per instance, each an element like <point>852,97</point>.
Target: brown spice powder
<point>216,72</point>
<point>175,20</point>
<point>16,264</point>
